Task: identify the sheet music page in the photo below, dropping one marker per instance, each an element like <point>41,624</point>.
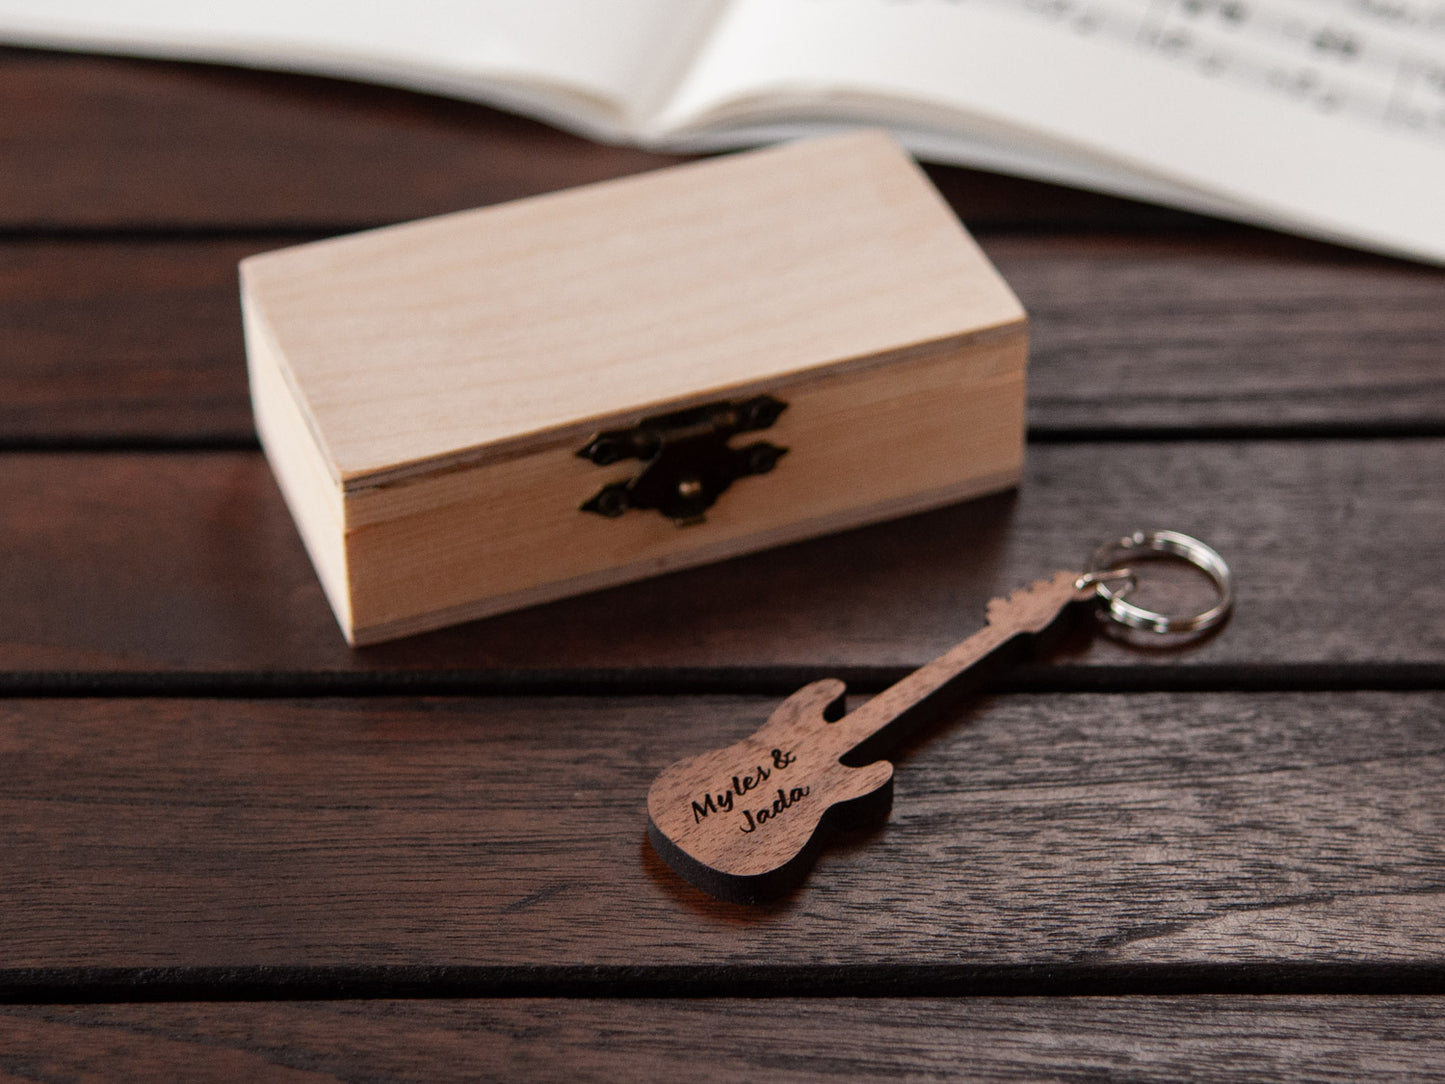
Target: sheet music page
<point>1326,116</point>
<point>609,56</point>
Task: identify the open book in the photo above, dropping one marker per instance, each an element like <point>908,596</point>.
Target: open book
<point>1323,117</point>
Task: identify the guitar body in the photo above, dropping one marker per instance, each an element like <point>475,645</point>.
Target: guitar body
<point>743,823</point>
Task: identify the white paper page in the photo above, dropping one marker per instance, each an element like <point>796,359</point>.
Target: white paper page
<point>596,63</point>
<point>970,149</point>
<point>1324,116</point>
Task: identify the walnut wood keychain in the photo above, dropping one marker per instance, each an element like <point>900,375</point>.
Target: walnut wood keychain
<point>743,823</point>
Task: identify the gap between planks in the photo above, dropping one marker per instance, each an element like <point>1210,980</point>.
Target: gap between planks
<point>140,985</point>
<point>1406,429</point>
<point>1025,679</point>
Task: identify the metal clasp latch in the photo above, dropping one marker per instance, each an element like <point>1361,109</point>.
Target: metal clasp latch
<point>687,461</point>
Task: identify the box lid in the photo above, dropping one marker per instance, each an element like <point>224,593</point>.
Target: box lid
<point>486,332</point>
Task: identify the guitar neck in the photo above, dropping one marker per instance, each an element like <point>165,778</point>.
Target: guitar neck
<point>863,723</point>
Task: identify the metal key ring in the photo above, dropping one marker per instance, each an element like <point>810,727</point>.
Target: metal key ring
<point>1109,557</point>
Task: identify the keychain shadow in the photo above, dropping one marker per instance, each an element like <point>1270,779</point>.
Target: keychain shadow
<point>1158,645</point>
<point>1075,642</point>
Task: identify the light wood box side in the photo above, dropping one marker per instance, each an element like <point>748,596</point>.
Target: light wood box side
<point>312,495</point>
<point>864,445</point>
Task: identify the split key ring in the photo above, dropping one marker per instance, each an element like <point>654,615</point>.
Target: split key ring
<point>1107,568</point>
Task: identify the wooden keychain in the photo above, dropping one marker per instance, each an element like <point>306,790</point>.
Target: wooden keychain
<point>744,822</point>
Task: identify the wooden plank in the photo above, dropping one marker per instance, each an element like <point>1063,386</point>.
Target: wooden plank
<point>136,340</point>
<point>128,144</point>
<point>172,563</point>
<point>117,341</point>
<point>1249,333</point>
<point>1103,836</point>
<point>113,144</point>
<point>1200,1039</point>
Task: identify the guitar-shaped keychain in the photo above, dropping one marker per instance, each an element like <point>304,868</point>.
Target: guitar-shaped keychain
<point>743,823</point>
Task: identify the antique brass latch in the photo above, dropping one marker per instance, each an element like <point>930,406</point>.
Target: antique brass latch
<point>686,459</point>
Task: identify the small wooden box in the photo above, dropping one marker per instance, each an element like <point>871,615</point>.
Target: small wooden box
<point>429,394</point>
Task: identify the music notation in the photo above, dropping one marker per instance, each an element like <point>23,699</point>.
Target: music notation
<point>1377,61</point>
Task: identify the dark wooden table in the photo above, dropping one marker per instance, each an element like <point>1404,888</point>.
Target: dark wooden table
<point>234,847</point>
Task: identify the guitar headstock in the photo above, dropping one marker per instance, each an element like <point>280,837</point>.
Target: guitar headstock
<point>1034,608</point>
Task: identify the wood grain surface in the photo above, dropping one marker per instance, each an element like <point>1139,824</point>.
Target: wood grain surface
<point>1189,1038</point>
<point>1255,813</point>
<point>167,563</point>
<point>1163,334</point>
<point>1253,333</point>
<point>116,341</point>
<point>1116,837</point>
